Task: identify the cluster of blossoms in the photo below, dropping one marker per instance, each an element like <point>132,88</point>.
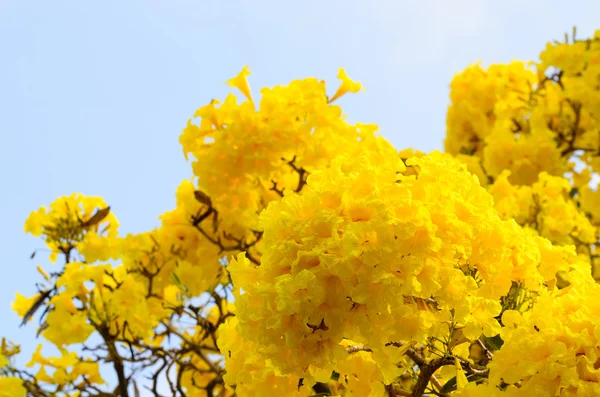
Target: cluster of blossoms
<point>308,257</point>
<point>530,132</point>
<point>529,118</point>
<point>152,295</point>
<point>246,158</point>
<point>371,255</point>
<point>551,350</point>
<point>545,207</point>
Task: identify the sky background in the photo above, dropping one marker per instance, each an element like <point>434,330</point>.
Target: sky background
<point>94,94</point>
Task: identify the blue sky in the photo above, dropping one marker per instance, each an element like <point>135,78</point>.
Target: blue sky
<point>94,94</point>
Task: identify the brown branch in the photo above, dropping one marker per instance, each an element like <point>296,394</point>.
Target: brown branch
<point>412,353</point>
<point>354,349</point>
<point>119,369</point>
<point>275,189</point>
<point>425,373</point>
<point>194,347</point>
<point>570,149</point>
<point>241,243</point>
<point>428,368</point>
<point>114,356</point>
<point>302,173</point>
<point>390,390</point>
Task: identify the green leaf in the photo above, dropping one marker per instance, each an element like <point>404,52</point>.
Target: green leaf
<point>449,386</point>
<point>494,343</point>
<point>175,279</point>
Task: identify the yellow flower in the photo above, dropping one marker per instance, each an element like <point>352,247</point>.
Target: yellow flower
<point>241,82</point>
<point>12,387</point>
<point>35,222</point>
<point>348,85</point>
<point>22,304</point>
<point>461,378</point>
<point>88,369</point>
<point>65,328</point>
<point>38,358</point>
<point>43,273</point>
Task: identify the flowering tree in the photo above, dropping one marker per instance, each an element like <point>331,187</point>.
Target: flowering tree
<point>308,257</point>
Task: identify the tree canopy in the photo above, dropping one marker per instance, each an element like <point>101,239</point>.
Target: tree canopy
<point>306,256</point>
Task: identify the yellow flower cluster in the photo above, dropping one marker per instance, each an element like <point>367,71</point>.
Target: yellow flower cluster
<point>357,373</point>
<point>71,221</point>
<point>119,299</point>
<point>177,249</point>
<point>10,386</point>
<point>369,254</point>
<point>68,369</point>
<point>90,296</point>
<point>131,296</point>
<point>251,373</point>
<point>244,156</point>
<point>545,207</point>
<point>551,350</point>
<point>579,65</point>
<point>531,132</point>
<point>67,373</point>
<point>478,98</point>
<point>529,118</point>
